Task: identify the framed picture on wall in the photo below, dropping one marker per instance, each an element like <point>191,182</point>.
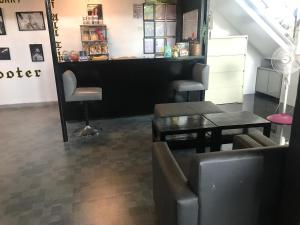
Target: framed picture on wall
<point>171,29</point>
<point>37,54</point>
<point>190,25</point>
<point>160,11</point>
<point>159,29</point>
<point>148,12</point>
<point>2,25</point>
<point>149,28</point>
<point>30,21</point>
<point>149,46</point>
<point>4,54</point>
<point>137,11</point>
<point>171,12</point>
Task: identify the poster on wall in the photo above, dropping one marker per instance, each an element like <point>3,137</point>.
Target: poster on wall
<point>4,54</point>
<point>2,25</point>
<point>190,25</point>
<point>30,21</point>
<point>36,51</point>
<point>137,11</point>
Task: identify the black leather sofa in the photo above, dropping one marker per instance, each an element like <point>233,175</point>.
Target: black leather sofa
<point>240,187</point>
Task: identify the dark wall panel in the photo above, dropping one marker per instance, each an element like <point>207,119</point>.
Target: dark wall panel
<point>291,199</point>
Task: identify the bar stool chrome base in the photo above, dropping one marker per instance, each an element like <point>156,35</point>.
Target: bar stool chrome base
<point>88,131</point>
<point>83,95</point>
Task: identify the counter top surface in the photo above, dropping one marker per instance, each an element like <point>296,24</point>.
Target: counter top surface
<point>141,59</point>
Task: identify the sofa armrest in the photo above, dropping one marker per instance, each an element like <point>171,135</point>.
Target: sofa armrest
<point>252,140</point>
<point>175,203</point>
<point>262,139</point>
<point>244,141</point>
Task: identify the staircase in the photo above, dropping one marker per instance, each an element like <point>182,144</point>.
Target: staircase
<point>277,17</point>
<point>268,23</point>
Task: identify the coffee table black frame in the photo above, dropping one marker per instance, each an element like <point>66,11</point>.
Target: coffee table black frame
<point>163,126</point>
<point>236,120</point>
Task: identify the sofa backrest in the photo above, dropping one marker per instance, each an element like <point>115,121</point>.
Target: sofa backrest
<point>241,187</point>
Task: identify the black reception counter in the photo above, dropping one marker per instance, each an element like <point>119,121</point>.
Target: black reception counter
<point>130,86</point>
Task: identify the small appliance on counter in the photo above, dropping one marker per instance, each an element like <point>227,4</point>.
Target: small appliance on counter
<point>83,56</point>
<point>195,48</point>
<point>183,48</point>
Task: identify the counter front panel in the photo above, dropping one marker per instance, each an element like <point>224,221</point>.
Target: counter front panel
<point>130,87</point>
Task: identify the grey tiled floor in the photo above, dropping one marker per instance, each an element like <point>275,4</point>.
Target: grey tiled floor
<point>103,180</point>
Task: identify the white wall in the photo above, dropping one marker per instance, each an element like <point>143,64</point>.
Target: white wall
<point>25,90</point>
<point>125,34</point>
<point>222,28</point>
<point>253,61</point>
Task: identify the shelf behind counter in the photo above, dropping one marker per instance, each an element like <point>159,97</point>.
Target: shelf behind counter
<point>130,86</point>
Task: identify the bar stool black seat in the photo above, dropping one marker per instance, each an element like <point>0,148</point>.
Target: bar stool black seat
<point>81,94</point>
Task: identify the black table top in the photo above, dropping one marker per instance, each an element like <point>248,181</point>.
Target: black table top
<point>231,119</point>
<point>182,123</point>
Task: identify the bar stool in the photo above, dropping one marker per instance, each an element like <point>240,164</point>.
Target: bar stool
<point>81,94</point>
<point>200,76</point>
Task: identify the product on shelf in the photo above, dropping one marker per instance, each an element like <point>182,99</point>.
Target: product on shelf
<point>74,56</point>
<point>94,39</point>
<point>86,36</point>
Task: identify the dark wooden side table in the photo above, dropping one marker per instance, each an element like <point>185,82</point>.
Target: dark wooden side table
<point>163,126</point>
<point>236,120</point>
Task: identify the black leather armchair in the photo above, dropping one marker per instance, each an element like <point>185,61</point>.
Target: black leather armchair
<point>240,187</point>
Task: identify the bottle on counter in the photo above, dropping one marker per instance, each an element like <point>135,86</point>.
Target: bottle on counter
<point>168,51</point>
<point>175,51</point>
<point>74,56</point>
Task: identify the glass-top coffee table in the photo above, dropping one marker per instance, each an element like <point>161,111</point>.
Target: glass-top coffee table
<point>163,126</point>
